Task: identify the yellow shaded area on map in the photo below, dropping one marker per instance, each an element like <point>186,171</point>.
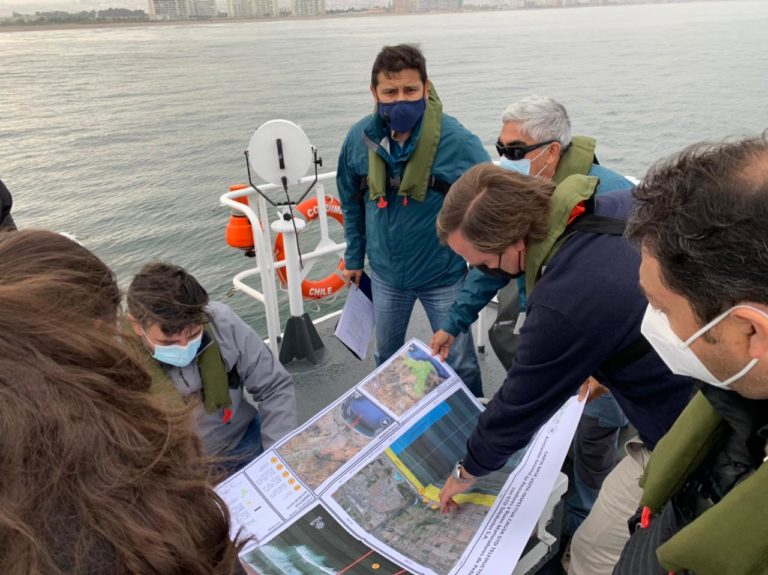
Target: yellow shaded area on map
<point>404,470</point>
<point>432,492</point>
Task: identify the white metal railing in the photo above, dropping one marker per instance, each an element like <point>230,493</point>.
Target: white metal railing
<point>266,264</point>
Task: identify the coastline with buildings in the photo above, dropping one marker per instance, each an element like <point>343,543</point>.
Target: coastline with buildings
<point>176,12</point>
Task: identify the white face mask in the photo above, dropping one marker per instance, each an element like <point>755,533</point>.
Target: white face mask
<point>678,355</point>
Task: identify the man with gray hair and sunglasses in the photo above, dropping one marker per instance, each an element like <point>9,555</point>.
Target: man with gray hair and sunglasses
<point>536,140</point>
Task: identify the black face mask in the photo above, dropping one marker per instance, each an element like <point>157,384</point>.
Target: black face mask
<point>498,272</point>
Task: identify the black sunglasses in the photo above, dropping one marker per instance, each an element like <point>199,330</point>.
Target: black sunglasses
<point>518,152</point>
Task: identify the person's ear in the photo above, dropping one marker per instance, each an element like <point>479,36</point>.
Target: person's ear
<point>755,328</point>
<point>134,324</point>
<point>553,154</point>
<point>426,89</point>
<point>373,93</point>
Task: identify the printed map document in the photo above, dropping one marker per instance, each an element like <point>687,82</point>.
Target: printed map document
<point>355,490</point>
<point>355,325</point>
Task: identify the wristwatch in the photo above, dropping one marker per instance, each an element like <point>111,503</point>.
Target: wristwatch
<point>456,473</point>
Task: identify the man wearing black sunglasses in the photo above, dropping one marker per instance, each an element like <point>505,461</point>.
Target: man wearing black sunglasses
<point>536,140</point>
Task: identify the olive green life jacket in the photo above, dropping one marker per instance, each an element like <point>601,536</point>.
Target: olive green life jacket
<point>578,159</point>
<point>568,194</point>
<point>730,538</point>
<point>213,373</point>
<point>416,177</point>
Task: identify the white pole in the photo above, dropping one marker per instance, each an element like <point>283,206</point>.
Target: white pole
<point>263,240</point>
<point>284,227</point>
<point>321,212</point>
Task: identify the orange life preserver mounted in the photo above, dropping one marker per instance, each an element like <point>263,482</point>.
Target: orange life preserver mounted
<point>333,282</point>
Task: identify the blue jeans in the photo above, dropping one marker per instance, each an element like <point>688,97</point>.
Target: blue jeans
<point>248,448</point>
<point>392,309</point>
<point>595,455</point>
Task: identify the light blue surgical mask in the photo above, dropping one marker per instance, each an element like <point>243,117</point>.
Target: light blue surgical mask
<point>522,166</point>
<point>178,355</point>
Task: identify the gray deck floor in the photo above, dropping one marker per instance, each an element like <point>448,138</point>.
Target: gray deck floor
<point>339,370</point>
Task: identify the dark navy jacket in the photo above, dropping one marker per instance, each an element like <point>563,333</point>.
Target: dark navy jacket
<point>585,309</point>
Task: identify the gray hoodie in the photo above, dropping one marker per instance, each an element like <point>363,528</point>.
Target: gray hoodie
<point>260,373</point>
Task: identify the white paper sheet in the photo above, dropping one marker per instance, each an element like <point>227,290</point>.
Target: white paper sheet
<point>355,325</point>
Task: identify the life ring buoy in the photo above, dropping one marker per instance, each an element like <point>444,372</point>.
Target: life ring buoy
<point>333,282</point>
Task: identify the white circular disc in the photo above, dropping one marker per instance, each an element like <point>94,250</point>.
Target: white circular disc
<point>263,152</point>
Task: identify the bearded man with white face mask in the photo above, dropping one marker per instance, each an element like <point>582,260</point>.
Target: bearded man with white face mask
<point>702,226</point>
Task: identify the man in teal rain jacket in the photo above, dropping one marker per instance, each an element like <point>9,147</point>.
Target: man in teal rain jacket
<point>395,167</point>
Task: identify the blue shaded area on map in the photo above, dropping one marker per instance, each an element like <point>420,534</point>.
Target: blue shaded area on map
<point>420,428</point>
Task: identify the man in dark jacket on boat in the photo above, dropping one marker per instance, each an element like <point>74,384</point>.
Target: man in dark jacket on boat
<point>536,139</point>
<point>202,350</point>
<point>584,314</point>
<point>701,227</point>
<point>395,167</point>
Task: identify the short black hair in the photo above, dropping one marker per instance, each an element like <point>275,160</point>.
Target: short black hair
<point>394,59</point>
<point>167,295</point>
<point>703,214</point>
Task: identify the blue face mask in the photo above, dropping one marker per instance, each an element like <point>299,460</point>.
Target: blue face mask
<point>178,355</point>
<point>522,166</point>
<point>401,116</point>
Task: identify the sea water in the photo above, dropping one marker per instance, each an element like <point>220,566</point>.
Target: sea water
<point>127,136</point>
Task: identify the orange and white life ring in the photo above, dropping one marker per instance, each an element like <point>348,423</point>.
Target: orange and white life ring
<point>333,282</point>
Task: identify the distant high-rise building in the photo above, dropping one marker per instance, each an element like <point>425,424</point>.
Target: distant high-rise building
<point>308,7</point>
<point>182,9</point>
<point>203,8</point>
<point>251,8</point>
<point>438,5</point>
<point>169,9</point>
<point>403,6</point>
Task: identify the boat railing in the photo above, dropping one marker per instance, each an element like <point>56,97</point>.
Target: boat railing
<point>297,268</point>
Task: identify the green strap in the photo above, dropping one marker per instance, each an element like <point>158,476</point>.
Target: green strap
<point>567,195</point>
<point>577,160</point>
<point>730,538</point>
<point>213,373</point>
<point>680,452</point>
<point>419,167</point>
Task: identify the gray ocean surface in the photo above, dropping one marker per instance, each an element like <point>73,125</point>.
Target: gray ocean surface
<point>126,137</point>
